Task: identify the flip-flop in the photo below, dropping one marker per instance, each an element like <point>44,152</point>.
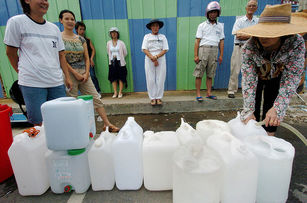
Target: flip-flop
<point>199,99</point>
<point>211,97</point>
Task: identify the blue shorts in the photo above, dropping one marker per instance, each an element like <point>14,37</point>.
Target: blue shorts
<point>35,96</point>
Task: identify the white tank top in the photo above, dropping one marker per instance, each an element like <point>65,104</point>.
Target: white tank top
<point>115,51</point>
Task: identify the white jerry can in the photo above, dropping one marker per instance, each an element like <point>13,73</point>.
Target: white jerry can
<point>101,163</point>
<point>68,170</point>
<point>185,132</point>
<point>275,157</point>
<point>127,156</point>
<point>206,128</point>
<point>66,122</point>
<point>158,151</point>
<point>196,174</point>
<point>27,156</point>
<point>91,113</point>
<point>240,168</point>
<point>243,131</point>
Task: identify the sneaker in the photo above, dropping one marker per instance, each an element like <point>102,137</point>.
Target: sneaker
<point>231,96</point>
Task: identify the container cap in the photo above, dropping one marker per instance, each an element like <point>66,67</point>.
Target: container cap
<point>86,97</point>
<point>74,152</point>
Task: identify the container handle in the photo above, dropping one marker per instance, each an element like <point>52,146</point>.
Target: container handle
<point>32,132</point>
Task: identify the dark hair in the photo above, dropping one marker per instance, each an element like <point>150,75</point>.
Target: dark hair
<point>116,32</point>
<point>66,11</point>
<point>25,7</point>
<point>78,24</point>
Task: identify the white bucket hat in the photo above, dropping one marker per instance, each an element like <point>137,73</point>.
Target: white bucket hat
<point>113,29</point>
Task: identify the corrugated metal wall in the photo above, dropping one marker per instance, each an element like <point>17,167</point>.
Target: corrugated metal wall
<point>181,18</point>
<point>99,16</point>
<point>139,14</point>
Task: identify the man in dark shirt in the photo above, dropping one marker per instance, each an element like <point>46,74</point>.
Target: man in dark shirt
<point>80,29</point>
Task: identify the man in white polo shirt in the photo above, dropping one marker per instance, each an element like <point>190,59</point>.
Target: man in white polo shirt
<point>209,39</point>
<point>239,39</point>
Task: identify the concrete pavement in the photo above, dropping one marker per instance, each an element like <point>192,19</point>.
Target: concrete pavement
<point>173,101</point>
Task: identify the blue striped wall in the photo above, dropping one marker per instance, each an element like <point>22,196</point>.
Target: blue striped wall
<point>98,9</point>
<point>137,30</point>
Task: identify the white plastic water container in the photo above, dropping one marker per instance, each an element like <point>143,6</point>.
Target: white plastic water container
<point>196,174</point>
<point>132,124</point>
<point>68,170</point>
<point>206,128</point>
<point>66,123</point>
<point>27,156</point>
<point>185,132</point>
<point>275,158</point>
<point>240,168</point>
<point>91,114</point>
<point>242,131</point>
<point>127,156</point>
<point>101,163</point>
<point>158,151</point>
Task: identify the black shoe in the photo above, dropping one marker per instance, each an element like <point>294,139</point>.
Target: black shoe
<point>231,96</point>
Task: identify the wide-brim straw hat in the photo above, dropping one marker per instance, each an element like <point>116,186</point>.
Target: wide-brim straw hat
<point>154,21</point>
<point>275,21</point>
<point>299,18</point>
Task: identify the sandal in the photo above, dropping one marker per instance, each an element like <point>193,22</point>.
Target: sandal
<point>159,102</point>
<point>120,95</point>
<point>112,129</point>
<point>153,102</point>
<point>114,95</point>
<point>211,97</point>
<point>199,99</point>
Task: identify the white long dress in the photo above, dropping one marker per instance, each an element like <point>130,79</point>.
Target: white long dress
<point>155,75</point>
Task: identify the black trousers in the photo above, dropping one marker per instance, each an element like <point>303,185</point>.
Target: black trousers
<point>270,89</point>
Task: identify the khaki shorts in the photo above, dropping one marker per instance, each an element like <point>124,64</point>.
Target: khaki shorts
<point>86,88</point>
<point>208,61</point>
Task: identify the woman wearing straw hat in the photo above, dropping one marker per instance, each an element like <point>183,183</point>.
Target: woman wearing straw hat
<point>273,61</point>
<point>117,65</point>
<point>155,46</point>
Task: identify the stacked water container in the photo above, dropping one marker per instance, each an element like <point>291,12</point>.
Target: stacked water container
<point>69,127</point>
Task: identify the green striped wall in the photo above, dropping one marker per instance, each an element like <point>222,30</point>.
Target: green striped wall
<point>55,7</point>
<point>140,9</point>
<point>186,31</point>
<point>8,74</point>
<point>230,7</point>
